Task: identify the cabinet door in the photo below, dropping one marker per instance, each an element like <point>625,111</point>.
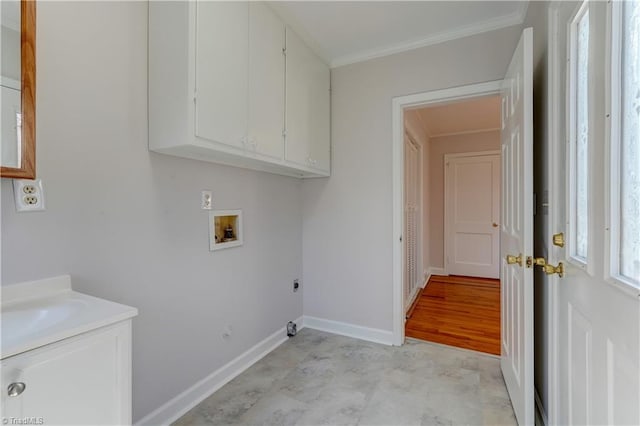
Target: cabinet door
<point>222,45</point>
<point>266,81</point>
<point>79,381</point>
<point>307,106</point>
<point>320,131</point>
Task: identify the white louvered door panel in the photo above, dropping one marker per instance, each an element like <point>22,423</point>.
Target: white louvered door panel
<point>411,218</point>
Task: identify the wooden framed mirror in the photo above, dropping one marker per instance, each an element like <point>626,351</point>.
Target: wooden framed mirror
<point>18,81</point>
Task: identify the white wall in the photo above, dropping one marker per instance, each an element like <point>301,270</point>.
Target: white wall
<point>438,147</point>
<point>347,226</point>
<point>126,223</point>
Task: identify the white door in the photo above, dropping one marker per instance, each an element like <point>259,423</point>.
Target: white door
<point>412,276</point>
<point>517,230</point>
<point>472,214</point>
<point>597,300</point>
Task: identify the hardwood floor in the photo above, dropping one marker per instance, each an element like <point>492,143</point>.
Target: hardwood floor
<point>458,311</point>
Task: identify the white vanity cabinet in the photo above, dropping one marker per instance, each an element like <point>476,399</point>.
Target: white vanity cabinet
<point>65,356</point>
<point>219,89</point>
<point>84,380</point>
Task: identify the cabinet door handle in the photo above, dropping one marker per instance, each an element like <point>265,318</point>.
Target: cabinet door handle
<point>15,389</point>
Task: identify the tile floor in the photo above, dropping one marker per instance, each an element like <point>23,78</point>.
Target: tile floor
<point>318,378</point>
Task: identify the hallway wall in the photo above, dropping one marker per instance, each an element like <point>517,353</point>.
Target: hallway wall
<point>350,279</point>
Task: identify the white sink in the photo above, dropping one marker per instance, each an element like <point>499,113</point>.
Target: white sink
<point>41,312</point>
<point>31,317</point>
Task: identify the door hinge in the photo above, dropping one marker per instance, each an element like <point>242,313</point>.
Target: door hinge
<point>284,51</point>
<point>284,133</point>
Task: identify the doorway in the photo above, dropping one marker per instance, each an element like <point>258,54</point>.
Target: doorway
<point>451,243</point>
<point>402,108</point>
<point>516,228</point>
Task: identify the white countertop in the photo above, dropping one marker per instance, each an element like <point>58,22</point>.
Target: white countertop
<point>40,312</point>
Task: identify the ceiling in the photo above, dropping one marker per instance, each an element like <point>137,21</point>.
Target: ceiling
<point>345,32</point>
<point>468,116</point>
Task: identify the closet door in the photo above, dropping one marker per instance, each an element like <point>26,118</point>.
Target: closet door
<point>222,44</point>
<point>266,81</point>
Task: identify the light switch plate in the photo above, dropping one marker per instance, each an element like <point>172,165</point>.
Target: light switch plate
<point>29,195</point>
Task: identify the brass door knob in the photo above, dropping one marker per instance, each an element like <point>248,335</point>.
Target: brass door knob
<point>495,225</point>
<point>550,269</point>
<point>512,260</point>
<point>558,239</point>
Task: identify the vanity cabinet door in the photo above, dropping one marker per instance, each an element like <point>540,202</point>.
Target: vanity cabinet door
<point>266,81</point>
<point>307,106</point>
<point>78,381</point>
<point>221,72</point>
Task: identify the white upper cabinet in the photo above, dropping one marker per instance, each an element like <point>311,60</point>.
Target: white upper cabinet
<point>307,107</point>
<point>266,81</point>
<point>222,90</point>
<point>222,62</point>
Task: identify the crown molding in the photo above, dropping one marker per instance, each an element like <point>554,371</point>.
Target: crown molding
<point>465,132</point>
<point>516,18</point>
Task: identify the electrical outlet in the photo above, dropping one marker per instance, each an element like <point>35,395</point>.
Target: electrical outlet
<point>29,195</point>
<point>206,200</point>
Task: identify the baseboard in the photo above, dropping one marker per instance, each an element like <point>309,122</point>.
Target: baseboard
<point>179,405</point>
<point>437,271</point>
<point>414,303</point>
<point>427,277</point>
<point>350,330</point>
<point>540,410</point>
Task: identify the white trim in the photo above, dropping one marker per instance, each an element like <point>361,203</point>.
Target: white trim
<point>426,275</point>
<point>465,132</point>
<point>613,123</point>
<point>585,264</point>
<point>213,244</point>
<point>398,104</point>
<point>350,330</point>
<point>512,19</point>
<point>185,401</point>
<point>437,271</point>
<point>555,98</point>
<point>413,299</point>
<point>540,409</point>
